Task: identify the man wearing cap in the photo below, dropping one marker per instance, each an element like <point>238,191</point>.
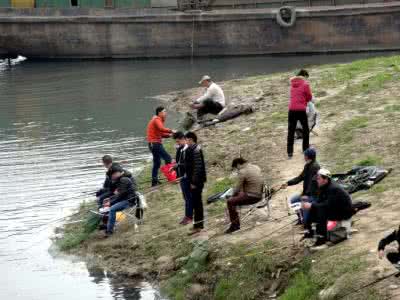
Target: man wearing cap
<point>124,196</point>
<point>156,131</point>
<point>334,204</point>
<point>310,186</point>
<point>212,102</point>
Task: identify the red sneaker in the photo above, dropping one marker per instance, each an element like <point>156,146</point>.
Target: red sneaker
<point>186,221</point>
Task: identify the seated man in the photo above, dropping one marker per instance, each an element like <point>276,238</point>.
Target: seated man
<point>248,190</point>
<point>106,190</point>
<point>393,257</point>
<point>309,178</point>
<point>124,196</point>
<point>333,204</point>
<point>108,187</point>
<point>212,102</point>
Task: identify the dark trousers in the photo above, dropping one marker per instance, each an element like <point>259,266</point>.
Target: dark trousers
<point>187,196</point>
<point>394,258</point>
<point>240,199</point>
<point>320,217</point>
<point>198,207</point>
<point>209,107</point>
<point>293,118</point>
<point>158,152</point>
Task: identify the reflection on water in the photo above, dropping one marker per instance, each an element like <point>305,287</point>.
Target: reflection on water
<point>56,120</point>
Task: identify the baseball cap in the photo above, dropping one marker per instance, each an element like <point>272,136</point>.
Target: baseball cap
<point>325,173</point>
<point>205,77</point>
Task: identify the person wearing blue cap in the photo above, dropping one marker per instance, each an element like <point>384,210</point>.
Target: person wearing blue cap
<point>310,185</point>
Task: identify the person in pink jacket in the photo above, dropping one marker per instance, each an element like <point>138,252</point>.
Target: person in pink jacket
<point>300,95</point>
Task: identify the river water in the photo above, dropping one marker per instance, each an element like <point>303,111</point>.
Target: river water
<point>56,121</point>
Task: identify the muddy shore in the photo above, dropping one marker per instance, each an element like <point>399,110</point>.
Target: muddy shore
<point>266,258</point>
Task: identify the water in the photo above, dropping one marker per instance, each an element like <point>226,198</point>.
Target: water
<point>56,121</point>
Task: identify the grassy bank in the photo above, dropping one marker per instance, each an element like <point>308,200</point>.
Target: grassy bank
<point>359,125</point>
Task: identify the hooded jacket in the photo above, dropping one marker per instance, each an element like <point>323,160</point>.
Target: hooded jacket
<point>394,236</point>
<point>126,187</point>
<point>308,176</point>
<point>195,168</point>
<point>156,130</point>
<point>335,202</point>
<point>300,94</point>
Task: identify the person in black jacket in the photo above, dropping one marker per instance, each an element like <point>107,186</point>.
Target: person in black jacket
<point>393,257</point>
<point>124,196</point>
<point>195,172</point>
<point>108,186</point>
<point>310,186</point>
<point>333,204</point>
<point>180,140</point>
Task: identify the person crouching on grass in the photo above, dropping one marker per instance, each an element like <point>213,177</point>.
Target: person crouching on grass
<point>393,257</point>
<point>247,192</point>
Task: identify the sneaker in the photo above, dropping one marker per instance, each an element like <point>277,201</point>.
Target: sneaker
<point>102,227</point>
<point>308,235</point>
<point>319,242</point>
<point>155,183</point>
<point>299,222</point>
<point>232,229</point>
<point>186,221</point>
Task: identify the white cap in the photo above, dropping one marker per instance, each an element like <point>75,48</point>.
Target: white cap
<point>205,77</point>
<point>325,173</point>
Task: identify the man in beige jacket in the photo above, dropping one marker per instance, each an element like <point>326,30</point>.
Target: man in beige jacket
<point>247,192</point>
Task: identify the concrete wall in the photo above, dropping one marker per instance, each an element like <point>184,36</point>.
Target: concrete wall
<point>234,32</point>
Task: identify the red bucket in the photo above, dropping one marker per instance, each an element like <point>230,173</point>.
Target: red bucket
<point>170,175</point>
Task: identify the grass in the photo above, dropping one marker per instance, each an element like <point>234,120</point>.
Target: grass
<point>245,283</point>
<point>392,108</point>
<point>334,266</point>
<point>370,160</point>
<point>76,233</point>
<point>219,186</point>
<point>344,134</point>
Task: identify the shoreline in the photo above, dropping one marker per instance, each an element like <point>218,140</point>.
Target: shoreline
<point>266,256</point>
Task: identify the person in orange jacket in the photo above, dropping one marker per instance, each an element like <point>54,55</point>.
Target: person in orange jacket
<point>156,131</point>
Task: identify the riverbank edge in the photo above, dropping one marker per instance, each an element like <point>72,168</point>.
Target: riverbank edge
<point>181,279</point>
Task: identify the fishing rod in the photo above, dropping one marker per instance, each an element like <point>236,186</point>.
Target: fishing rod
<point>368,285</point>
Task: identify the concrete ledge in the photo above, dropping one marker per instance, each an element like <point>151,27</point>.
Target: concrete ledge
<point>213,33</point>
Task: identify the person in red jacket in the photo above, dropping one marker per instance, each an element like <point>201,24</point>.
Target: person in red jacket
<point>156,131</point>
<point>300,95</point>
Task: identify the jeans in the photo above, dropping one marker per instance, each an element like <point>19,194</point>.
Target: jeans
<point>240,199</point>
<point>293,118</point>
<point>187,196</point>
<point>209,106</point>
<point>102,197</point>
<point>158,152</point>
<point>198,207</point>
<point>304,214</point>
<point>113,212</point>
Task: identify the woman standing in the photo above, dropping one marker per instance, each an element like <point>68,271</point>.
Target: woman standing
<point>300,95</point>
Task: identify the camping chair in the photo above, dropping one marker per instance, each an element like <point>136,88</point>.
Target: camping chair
<point>263,205</point>
<point>134,213</point>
